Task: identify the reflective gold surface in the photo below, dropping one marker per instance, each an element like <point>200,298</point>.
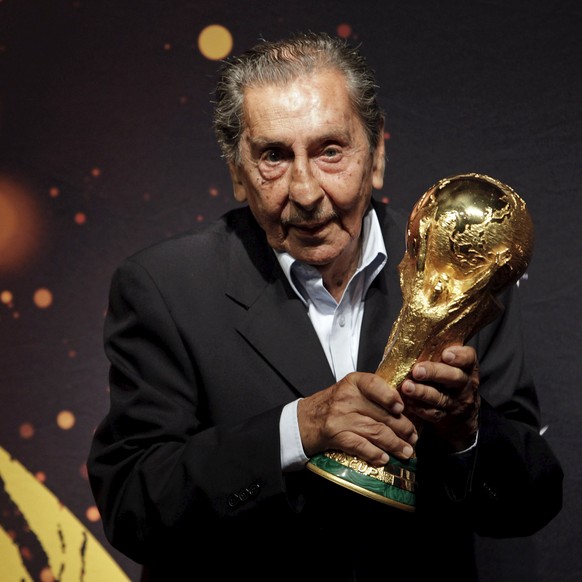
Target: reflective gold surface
<point>469,237</point>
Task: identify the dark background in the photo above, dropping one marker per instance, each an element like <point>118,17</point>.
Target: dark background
<point>105,127</point>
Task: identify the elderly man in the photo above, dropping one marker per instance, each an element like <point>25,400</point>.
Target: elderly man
<point>242,349</point>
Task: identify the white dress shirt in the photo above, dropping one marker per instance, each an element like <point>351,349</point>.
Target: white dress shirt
<point>337,324</point>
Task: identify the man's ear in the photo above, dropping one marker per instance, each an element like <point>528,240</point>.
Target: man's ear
<point>238,187</point>
<point>379,161</point>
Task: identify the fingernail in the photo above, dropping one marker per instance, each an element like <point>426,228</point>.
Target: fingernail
<point>407,451</point>
<point>397,408</point>
<point>408,387</point>
<point>384,458</point>
<point>419,372</point>
<point>414,438</point>
<point>448,357</point>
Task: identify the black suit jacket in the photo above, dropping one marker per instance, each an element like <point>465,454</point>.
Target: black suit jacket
<point>207,343</point>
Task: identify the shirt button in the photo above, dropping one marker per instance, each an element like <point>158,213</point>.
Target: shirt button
<point>342,321</point>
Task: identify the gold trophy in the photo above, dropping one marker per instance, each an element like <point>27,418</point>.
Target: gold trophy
<point>468,238</point>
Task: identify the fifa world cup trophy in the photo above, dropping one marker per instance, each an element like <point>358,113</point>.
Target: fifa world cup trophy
<point>469,237</point>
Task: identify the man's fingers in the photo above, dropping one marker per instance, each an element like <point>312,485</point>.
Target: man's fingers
<point>446,392</point>
<point>460,356</point>
<point>378,391</point>
<point>375,443</point>
<point>360,415</point>
<point>439,373</point>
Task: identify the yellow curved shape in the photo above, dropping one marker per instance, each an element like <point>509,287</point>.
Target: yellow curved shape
<point>11,566</point>
<point>73,552</point>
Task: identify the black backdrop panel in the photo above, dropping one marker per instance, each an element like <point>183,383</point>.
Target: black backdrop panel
<point>106,146</point>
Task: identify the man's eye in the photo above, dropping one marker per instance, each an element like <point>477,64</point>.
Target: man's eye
<point>330,153</point>
<point>272,156</point>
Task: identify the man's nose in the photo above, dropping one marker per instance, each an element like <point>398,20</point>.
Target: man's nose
<point>304,189</point>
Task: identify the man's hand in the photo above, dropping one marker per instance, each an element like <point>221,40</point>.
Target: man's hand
<point>360,415</point>
<point>446,394</point>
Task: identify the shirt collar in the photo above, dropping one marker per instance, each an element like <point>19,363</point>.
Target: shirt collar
<point>372,258</point>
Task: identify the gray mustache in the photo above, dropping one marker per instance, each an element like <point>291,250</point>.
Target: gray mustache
<point>307,219</point>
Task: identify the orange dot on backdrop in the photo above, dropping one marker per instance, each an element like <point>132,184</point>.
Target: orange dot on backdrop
<point>65,419</point>
<point>80,218</point>
<point>26,430</point>
<point>6,297</point>
<point>19,224</point>
<point>215,42</point>
<point>92,514</point>
<point>43,298</point>
<point>344,30</point>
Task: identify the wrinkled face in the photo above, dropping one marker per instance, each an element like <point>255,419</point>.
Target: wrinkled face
<point>306,168</point>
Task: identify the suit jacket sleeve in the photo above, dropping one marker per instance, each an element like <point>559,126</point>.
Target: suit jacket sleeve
<point>158,461</point>
<point>513,486</point>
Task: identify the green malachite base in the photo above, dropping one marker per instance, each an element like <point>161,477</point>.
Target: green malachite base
<point>399,492</point>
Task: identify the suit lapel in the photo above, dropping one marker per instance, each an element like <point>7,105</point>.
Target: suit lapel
<point>384,299</point>
<point>275,322</point>
<point>273,319</point>
<point>282,333</point>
